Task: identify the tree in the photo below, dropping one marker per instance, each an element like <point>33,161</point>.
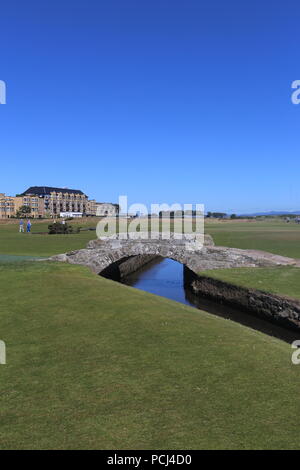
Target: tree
<point>23,210</point>
<point>233,216</point>
<point>58,228</point>
<point>218,215</point>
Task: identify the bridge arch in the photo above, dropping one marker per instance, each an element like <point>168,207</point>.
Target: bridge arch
<point>117,253</point>
<point>126,265</point>
<point>100,254</point>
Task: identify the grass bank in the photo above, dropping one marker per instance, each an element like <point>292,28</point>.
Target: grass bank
<point>95,364</point>
<point>281,280</point>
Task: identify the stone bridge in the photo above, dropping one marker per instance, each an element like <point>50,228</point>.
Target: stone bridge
<point>102,253</point>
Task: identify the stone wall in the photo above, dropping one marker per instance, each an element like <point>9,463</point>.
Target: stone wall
<point>134,264</point>
<point>271,307</point>
<point>119,270</point>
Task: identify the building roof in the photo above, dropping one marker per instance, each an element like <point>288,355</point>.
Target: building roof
<point>107,203</point>
<point>46,190</point>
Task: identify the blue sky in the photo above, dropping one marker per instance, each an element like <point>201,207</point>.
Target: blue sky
<point>164,101</point>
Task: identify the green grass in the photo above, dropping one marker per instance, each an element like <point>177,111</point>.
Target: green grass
<point>281,280</point>
<point>34,244</point>
<point>95,364</point>
<point>14,243</point>
<point>273,235</point>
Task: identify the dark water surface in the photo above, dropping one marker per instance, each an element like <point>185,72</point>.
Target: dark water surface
<point>165,277</point>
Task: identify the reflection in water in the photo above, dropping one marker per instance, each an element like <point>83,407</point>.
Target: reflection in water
<point>161,277</point>
<point>165,277</point>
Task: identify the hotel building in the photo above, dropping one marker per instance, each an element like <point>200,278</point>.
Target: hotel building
<point>57,200</point>
<point>7,206</point>
<point>46,201</point>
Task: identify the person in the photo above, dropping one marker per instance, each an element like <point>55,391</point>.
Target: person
<point>21,229</point>
<point>28,226</point>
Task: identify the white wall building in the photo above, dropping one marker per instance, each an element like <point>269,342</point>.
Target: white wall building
<point>70,214</point>
<point>106,209</point>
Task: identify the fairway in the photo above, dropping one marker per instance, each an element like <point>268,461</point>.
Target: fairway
<point>92,364</point>
<point>35,244</point>
<point>273,235</point>
<point>95,364</point>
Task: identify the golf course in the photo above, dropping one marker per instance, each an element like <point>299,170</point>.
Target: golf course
<point>94,364</point>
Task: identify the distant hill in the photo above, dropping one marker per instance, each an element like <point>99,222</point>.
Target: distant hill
<point>274,213</point>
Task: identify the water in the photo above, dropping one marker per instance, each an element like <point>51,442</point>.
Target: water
<point>165,277</point>
<point>161,277</point>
